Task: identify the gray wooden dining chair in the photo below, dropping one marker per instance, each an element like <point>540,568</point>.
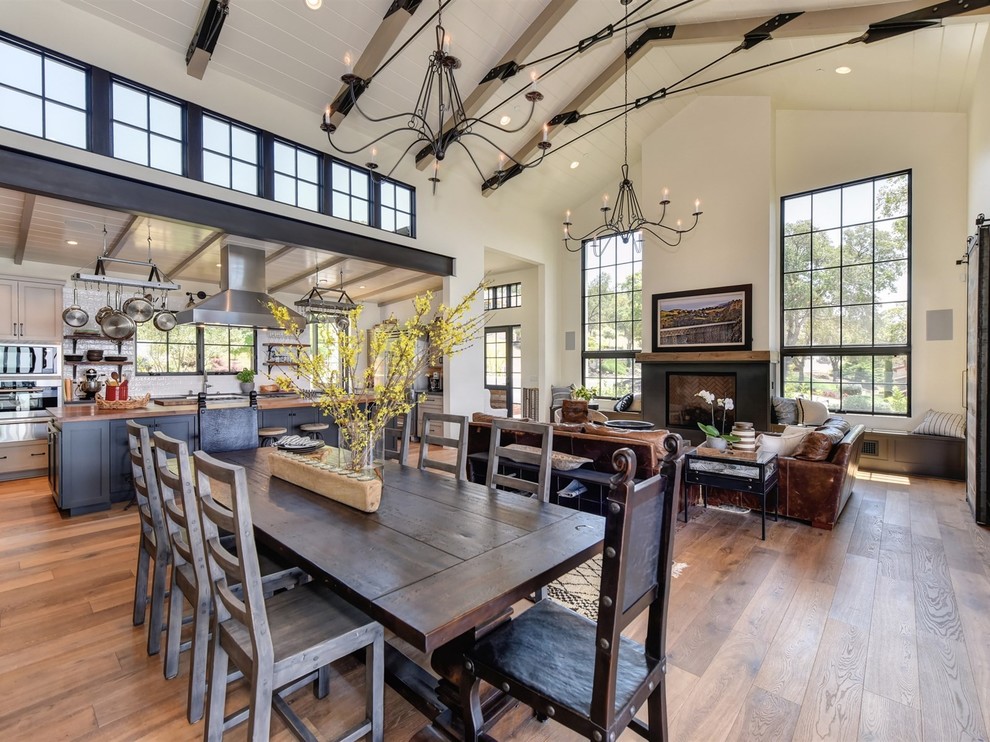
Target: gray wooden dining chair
<point>582,674</point>
<point>538,456</point>
<point>154,552</point>
<point>279,642</point>
<point>397,434</point>
<point>190,577</point>
<point>458,442</point>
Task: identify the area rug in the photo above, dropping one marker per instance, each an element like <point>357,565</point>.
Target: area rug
<point>578,589</point>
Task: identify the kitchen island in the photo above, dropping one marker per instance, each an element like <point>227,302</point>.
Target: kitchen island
<point>88,464</point>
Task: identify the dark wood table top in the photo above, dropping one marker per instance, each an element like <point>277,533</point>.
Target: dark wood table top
<point>438,558</point>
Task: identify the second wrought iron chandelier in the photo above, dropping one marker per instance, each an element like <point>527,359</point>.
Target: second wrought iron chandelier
<point>626,216</point>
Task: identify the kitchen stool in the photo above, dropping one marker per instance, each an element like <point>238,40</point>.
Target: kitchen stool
<point>268,435</point>
<point>314,430</point>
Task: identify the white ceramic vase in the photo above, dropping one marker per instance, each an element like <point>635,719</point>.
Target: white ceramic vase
<point>719,444</point>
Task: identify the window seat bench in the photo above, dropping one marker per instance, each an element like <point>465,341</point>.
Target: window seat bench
<point>900,452</point>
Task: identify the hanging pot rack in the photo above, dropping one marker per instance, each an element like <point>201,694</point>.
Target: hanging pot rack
<point>157,280</point>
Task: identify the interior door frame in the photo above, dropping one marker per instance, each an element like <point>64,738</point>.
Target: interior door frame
<point>510,402</point>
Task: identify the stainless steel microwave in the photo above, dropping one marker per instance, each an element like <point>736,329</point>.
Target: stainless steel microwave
<point>30,360</point>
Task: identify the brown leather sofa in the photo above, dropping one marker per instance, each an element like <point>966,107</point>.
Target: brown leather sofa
<point>817,491</point>
<point>812,491</point>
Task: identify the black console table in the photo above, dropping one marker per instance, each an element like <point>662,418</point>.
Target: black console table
<point>739,471</point>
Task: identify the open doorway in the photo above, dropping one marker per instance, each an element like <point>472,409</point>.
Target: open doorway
<point>503,367</point>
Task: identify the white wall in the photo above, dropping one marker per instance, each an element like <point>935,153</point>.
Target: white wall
<point>821,148</point>
<point>979,146</point>
<point>457,222</point>
<point>718,149</point>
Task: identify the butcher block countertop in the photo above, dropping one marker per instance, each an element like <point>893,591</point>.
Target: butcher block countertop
<point>83,412</point>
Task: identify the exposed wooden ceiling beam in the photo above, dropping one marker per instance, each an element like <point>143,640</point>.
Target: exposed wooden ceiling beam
<point>396,17</point>
<point>118,242</point>
<point>330,263</point>
<point>370,274</point>
<point>27,214</point>
<point>185,262</point>
<point>205,38</point>
<point>391,287</point>
<point>410,295</point>
<point>508,65</point>
<point>812,23</point>
<point>279,253</point>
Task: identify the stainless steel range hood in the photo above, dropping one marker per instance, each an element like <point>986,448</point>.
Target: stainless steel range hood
<point>242,300</point>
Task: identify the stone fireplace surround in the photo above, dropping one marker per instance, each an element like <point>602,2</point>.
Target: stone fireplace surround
<point>752,374</point>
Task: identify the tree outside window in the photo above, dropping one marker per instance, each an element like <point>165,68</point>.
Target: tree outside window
<point>613,314</point>
<point>845,316</point>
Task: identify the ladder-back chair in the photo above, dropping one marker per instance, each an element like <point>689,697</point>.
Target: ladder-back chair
<point>458,442</point>
<point>538,456</point>
<point>277,642</point>
<point>154,552</point>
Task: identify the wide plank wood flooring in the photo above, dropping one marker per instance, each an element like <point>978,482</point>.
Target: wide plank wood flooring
<point>878,630</point>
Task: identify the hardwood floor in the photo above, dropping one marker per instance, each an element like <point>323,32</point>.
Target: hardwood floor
<point>878,630</point>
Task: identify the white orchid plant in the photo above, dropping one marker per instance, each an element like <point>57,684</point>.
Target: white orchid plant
<point>726,405</point>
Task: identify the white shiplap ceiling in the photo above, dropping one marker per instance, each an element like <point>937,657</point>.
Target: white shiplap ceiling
<point>299,55</point>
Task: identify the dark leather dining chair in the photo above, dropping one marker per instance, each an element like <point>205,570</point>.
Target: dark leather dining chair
<point>582,674</point>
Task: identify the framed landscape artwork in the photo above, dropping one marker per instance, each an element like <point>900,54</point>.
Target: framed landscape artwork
<point>704,319</point>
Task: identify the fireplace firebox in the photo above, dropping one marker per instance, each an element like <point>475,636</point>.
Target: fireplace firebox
<point>671,381</point>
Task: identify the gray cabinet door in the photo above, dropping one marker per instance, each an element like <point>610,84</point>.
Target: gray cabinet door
<point>181,427</point>
<point>277,419</point>
<point>84,477</point>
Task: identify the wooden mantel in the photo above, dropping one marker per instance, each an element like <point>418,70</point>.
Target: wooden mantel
<point>724,356</point>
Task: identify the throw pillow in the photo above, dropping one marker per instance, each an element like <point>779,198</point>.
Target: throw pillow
<point>637,403</point>
<point>836,423</point>
<point>811,412</point>
<point>559,393</point>
<point>573,411</point>
<point>785,410</point>
<point>816,446</point>
<point>787,442</point>
<point>623,404</point>
<point>947,424</point>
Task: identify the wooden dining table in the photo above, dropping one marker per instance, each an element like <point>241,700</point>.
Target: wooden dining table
<point>440,561</point>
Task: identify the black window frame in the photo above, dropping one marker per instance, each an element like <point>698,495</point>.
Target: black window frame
<point>847,351</point>
<point>379,208</point>
<point>503,296</point>
<point>336,187</point>
<point>200,355</point>
<point>318,183</point>
<point>45,55</point>
<point>150,94</point>
<point>636,377</point>
<point>258,164</point>
<point>99,139</point>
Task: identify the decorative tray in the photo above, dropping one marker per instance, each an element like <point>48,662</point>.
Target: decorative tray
<point>122,404</point>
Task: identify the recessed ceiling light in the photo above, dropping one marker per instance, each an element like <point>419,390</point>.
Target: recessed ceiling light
<point>843,70</point>
<point>574,164</point>
<point>505,120</point>
<point>314,4</point>
<point>361,286</point>
<point>219,265</point>
<point>71,242</point>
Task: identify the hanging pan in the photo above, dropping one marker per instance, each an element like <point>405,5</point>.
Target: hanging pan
<point>117,325</point>
<point>164,320</point>
<point>75,316</point>
<point>104,311</point>
<point>139,308</point>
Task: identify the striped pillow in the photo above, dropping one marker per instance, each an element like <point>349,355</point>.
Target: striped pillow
<point>942,423</point>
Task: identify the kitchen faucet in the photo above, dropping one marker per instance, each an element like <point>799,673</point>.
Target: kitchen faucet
<point>206,382</point>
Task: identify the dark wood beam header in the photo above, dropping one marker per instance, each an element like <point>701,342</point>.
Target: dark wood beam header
<point>32,173</point>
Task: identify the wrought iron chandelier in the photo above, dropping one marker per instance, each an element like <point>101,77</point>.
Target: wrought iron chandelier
<point>627,216</point>
<point>439,104</point>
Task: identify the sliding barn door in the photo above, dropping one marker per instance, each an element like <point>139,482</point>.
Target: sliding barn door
<point>977,360</point>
